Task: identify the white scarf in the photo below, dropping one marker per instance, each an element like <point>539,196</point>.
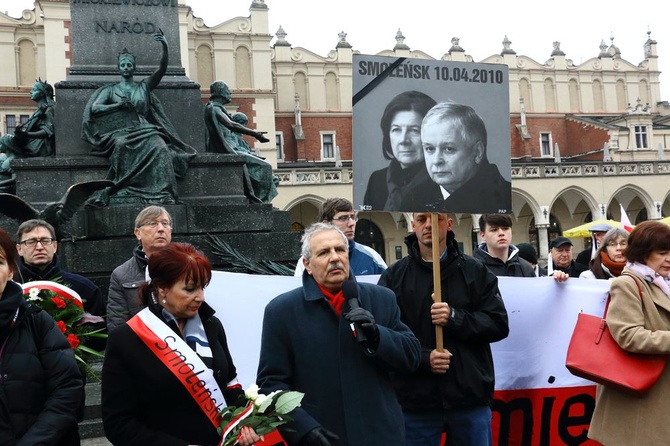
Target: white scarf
<point>650,276</point>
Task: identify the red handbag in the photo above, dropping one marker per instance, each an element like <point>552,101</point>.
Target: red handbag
<point>594,355</point>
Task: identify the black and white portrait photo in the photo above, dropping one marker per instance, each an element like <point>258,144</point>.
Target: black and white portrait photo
<point>430,136</point>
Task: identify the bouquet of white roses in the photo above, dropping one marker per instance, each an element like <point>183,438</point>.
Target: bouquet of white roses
<point>262,413</point>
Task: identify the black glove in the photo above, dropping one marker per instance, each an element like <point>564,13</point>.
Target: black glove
<point>365,321</point>
<point>319,436</point>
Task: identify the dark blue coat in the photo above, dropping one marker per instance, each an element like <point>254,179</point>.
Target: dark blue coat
<point>306,347</point>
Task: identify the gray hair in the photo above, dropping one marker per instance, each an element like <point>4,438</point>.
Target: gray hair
<point>611,236</point>
<point>150,213</point>
<point>315,229</point>
<point>469,124</point>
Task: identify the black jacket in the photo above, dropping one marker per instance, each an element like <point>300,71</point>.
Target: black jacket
<point>40,383</point>
<point>144,404</point>
<point>88,291</point>
<point>392,178</point>
<point>514,267</point>
<point>486,192</point>
<point>480,318</point>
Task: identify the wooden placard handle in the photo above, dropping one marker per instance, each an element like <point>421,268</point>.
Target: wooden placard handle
<point>436,275</point>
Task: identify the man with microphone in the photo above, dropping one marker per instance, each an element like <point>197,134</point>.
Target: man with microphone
<point>337,341</point>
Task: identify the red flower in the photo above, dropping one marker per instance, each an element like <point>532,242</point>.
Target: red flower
<point>73,340</point>
<point>61,326</point>
<point>59,302</point>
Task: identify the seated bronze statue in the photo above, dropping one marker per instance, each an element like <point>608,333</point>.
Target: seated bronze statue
<point>126,123</point>
<point>35,137</point>
<point>224,136</point>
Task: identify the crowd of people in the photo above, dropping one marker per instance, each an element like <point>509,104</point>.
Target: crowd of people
<point>395,365</point>
<point>401,362</point>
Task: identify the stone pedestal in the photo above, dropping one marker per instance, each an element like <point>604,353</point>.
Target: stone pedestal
<point>212,203</point>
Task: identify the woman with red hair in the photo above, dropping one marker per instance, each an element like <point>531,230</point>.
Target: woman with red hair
<point>168,371</point>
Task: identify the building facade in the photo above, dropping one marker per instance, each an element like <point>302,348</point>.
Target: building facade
<point>585,138</point>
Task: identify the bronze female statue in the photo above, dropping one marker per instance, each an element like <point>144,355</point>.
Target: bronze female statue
<point>126,123</point>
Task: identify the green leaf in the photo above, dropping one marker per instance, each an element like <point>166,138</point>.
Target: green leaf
<point>288,401</point>
<point>90,351</point>
<point>268,401</point>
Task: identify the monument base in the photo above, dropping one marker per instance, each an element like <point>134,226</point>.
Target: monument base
<point>212,202</point>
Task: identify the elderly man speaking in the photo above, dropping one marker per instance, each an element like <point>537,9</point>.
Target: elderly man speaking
<point>337,341</point>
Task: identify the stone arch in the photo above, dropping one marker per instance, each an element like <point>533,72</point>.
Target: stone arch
<point>243,75</point>
<point>304,211</point>
<point>528,200</point>
<point>621,95</point>
<point>573,94</point>
<point>549,95</point>
<point>572,195</point>
<point>598,101</point>
<point>525,93</point>
<point>332,84</point>
<point>630,194</point>
<point>205,65</point>
<point>27,62</point>
<point>644,91</point>
<point>300,88</point>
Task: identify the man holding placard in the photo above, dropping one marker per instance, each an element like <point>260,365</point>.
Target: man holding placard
<point>452,389</point>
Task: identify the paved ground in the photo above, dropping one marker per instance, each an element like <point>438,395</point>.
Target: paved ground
<point>95,442</point>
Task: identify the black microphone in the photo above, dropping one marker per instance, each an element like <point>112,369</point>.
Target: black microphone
<point>350,292</point>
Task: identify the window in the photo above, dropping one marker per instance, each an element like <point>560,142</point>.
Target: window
<point>641,136</point>
<point>23,119</point>
<point>545,144</point>
<point>10,124</point>
<point>328,146</point>
<point>279,142</point>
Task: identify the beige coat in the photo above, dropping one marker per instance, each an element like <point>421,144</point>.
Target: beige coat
<point>641,326</point>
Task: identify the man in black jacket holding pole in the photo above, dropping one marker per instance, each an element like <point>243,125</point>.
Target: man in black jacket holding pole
<point>452,390</point>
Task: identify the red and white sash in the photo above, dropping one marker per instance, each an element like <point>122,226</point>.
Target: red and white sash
<point>182,361</point>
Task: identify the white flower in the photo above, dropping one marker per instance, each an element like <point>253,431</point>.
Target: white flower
<point>252,392</point>
<point>33,294</point>
<point>260,398</point>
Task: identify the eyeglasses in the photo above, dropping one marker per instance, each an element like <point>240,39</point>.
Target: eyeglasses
<point>154,224</point>
<point>615,244</point>
<point>32,242</point>
<point>345,218</point>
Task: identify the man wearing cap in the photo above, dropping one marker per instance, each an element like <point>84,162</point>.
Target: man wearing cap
<point>598,232</point>
<point>561,257</point>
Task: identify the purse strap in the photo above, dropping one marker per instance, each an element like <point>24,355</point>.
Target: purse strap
<point>609,296</point>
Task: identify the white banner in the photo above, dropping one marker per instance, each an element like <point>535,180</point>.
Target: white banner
<point>542,315</point>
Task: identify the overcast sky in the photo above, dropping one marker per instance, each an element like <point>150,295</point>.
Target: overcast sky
<point>531,25</point>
